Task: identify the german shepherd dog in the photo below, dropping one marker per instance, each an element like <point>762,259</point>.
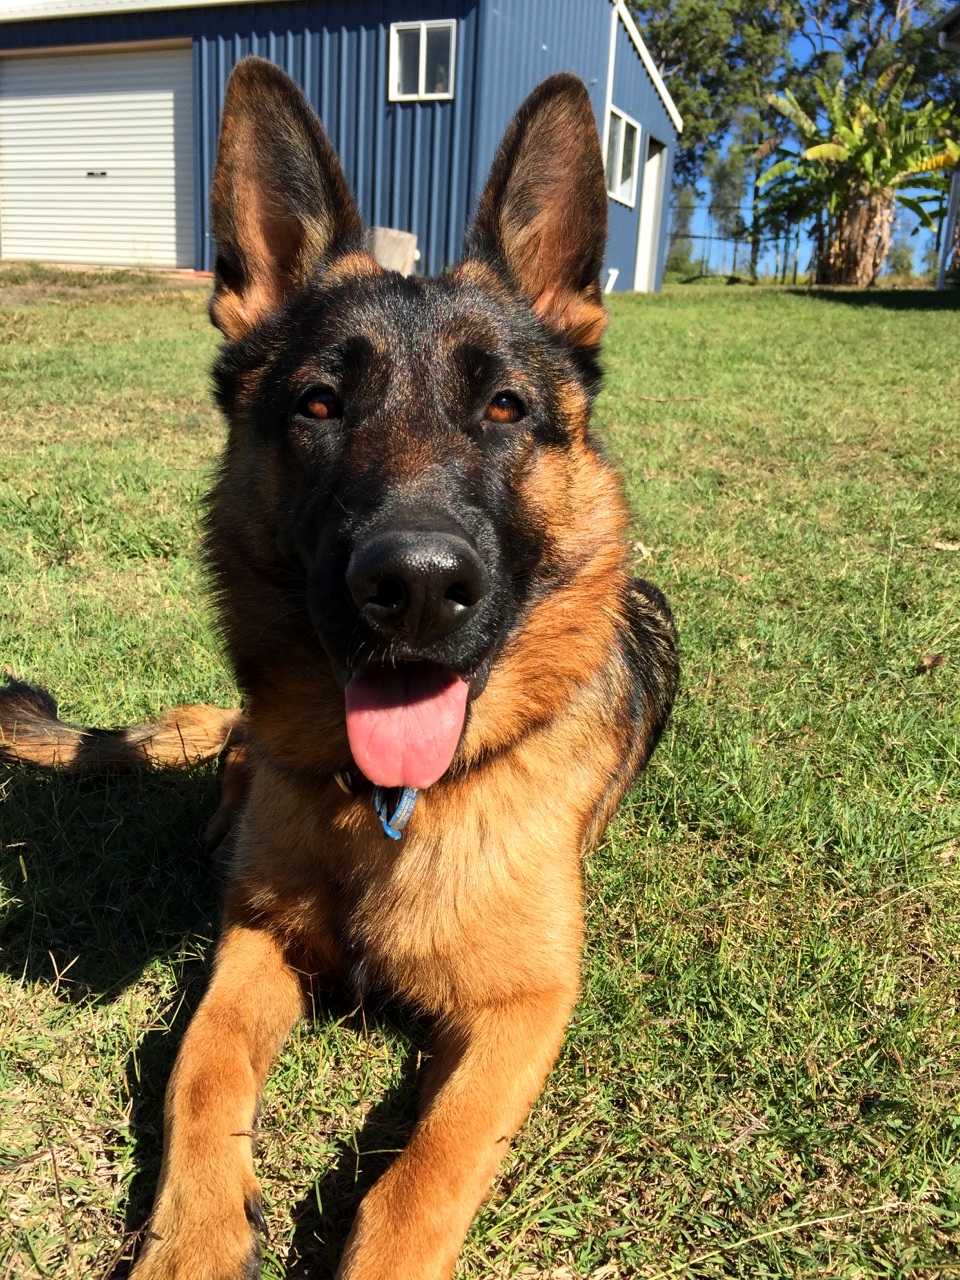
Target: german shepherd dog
<point>420,566</point>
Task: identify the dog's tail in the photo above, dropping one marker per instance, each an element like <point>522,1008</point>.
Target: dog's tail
<point>32,733</point>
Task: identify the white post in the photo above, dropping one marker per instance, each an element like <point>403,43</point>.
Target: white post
<point>949,229</point>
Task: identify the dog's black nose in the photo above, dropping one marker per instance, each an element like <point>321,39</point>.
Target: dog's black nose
<point>417,583</point>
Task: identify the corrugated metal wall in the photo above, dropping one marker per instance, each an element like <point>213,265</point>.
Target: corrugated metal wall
<point>405,161</point>
<point>635,93</point>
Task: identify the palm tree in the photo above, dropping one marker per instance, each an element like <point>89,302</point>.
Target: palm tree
<point>872,151</point>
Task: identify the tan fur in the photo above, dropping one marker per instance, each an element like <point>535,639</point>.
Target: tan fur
<point>474,918</point>
<point>253,999</point>
<point>480,275</point>
<point>352,266</point>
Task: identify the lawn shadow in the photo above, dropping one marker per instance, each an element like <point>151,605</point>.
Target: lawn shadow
<point>148,1070</point>
<point>885,299</point>
<point>105,874</point>
<point>324,1216</point>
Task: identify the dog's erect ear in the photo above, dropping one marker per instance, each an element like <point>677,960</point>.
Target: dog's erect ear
<point>543,215</point>
<point>281,203</point>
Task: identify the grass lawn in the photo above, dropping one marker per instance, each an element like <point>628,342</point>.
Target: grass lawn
<point>763,1074</point>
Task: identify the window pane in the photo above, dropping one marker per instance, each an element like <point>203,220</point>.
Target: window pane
<point>613,152</point>
<point>629,163</point>
<point>408,62</point>
<point>437,79</point>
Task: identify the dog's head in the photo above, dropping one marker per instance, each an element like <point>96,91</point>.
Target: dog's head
<point>414,450</point>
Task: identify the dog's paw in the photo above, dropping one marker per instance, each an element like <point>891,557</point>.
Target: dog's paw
<point>158,1262</point>
<point>211,1250</point>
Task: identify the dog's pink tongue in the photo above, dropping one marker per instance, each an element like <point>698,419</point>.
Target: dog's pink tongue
<point>404,723</point>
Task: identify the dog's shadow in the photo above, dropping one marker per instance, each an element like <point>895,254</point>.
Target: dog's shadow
<point>104,877</point>
<point>324,1216</point>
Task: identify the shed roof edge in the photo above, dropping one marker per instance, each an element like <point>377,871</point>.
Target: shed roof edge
<point>34,10</point>
<point>633,31</point>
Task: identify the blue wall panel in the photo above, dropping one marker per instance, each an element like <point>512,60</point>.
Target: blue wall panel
<point>635,93</point>
<point>400,158</point>
<point>520,43</point>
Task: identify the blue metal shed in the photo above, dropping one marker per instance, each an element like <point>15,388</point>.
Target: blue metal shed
<point>416,152</point>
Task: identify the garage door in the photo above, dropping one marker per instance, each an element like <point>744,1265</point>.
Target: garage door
<point>96,162</point>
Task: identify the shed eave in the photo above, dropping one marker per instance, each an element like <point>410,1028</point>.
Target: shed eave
<point>626,17</point>
<point>949,29</point>
<point>32,10</point>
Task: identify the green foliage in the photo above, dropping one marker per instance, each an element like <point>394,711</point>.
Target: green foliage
<point>717,58</point>
<point>864,148</point>
<point>900,257</point>
<point>727,178</point>
<point>721,60</point>
<point>869,142</point>
<point>930,263</point>
<point>860,40</point>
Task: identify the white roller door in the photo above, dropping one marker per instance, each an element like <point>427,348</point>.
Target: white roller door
<point>96,158</point>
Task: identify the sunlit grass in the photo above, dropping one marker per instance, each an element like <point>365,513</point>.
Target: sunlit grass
<point>762,1074</point>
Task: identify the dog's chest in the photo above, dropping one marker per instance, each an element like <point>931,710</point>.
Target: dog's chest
<point>441,919</point>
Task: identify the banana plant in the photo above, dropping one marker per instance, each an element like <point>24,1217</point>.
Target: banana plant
<point>864,152</point>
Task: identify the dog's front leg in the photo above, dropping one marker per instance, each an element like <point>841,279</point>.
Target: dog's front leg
<point>491,1064</point>
<point>208,1197</point>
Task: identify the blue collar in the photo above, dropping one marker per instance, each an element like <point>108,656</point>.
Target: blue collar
<point>392,823</point>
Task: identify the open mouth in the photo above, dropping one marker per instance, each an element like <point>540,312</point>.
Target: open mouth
<point>404,723</point>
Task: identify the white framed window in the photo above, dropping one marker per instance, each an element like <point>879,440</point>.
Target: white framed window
<point>422,60</point>
<point>623,157</point>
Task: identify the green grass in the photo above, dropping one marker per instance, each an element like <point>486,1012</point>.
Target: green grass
<point>763,1074</point>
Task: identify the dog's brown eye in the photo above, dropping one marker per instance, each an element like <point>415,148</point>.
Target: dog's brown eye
<point>321,403</point>
<point>505,408</point>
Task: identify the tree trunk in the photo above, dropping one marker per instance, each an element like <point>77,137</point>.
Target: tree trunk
<point>857,241</point>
